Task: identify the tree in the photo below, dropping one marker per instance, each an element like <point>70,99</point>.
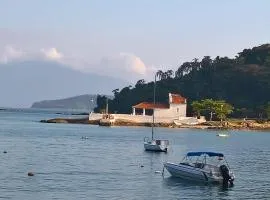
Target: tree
<point>140,82</point>
<point>222,109</point>
<point>267,110</point>
<point>160,74</point>
<point>183,70</point>
<point>209,105</point>
<point>115,91</point>
<point>169,74</point>
<point>101,103</point>
<point>197,107</point>
<point>206,62</point>
<point>195,64</point>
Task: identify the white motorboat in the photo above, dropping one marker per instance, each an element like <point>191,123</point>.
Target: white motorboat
<point>202,166</point>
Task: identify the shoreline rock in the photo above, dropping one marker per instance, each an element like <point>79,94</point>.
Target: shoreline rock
<point>216,125</point>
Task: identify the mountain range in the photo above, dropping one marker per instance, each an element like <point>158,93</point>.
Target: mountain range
<point>22,83</point>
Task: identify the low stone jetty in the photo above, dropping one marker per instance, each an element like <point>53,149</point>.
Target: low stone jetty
<point>71,121</point>
<point>234,124</point>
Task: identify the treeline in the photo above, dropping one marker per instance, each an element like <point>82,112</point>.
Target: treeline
<point>243,82</point>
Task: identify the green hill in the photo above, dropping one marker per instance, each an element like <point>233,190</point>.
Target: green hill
<point>243,81</point>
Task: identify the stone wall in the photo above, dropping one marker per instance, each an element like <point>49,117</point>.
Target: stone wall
<point>134,118</point>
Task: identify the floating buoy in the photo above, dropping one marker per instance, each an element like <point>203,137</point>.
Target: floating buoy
<point>30,174</point>
<point>142,166</point>
<point>158,172</point>
<point>4,151</point>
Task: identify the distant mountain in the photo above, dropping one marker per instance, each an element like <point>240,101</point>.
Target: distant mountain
<point>85,102</point>
<point>21,83</point>
<point>82,102</point>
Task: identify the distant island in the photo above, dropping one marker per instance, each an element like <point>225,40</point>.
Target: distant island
<point>82,102</point>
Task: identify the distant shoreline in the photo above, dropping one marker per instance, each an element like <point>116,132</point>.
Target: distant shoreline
<point>230,125</point>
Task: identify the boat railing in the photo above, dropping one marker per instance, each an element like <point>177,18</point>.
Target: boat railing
<point>146,139</point>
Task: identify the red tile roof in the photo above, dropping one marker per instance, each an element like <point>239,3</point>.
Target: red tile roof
<point>178,99</point>
<point>148,105</point>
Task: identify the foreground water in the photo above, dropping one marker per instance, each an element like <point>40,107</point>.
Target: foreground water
<point>111,162</point>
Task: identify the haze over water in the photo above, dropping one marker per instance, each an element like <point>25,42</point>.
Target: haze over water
<point>112,164</point>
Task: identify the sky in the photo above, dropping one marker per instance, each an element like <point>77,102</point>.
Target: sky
<point>129,39</point>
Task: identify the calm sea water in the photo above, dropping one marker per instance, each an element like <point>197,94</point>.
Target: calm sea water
<point>112,164</point>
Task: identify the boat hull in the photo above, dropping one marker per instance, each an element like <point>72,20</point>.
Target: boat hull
<point>191,173</point>
<point>155,147</point>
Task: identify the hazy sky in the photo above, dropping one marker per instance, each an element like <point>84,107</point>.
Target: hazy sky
<point>129,38</point>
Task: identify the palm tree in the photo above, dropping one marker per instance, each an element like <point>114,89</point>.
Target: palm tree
<point>169,74</point>
<point>160,74</point>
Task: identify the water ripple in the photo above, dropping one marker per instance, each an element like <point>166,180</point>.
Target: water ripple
<point>111,163</point>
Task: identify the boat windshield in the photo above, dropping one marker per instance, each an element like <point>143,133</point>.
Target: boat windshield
<point>211,158</point>
<point>210,154</point>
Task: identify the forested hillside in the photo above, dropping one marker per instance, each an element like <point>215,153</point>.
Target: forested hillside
<point>243,81</point>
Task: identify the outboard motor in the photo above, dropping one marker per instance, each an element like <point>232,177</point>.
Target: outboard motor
<point>227,179</point>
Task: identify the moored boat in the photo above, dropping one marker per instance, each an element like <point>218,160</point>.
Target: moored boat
<point>156,145</point>
<point>202,166</point>
<point>223,135</point>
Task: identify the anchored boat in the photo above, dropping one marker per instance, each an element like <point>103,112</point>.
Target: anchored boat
<point>156,145</point>
<point>202,166</point>
<point>159,145</point>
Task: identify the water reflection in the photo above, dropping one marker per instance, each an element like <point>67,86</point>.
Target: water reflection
<point>196,188</point>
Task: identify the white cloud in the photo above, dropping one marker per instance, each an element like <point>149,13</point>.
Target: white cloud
<point>10,53</point>
<point>52,54</point>
<point>134,63</point>
<point>125,66</point>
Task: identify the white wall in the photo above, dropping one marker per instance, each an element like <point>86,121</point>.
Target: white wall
<point>95,116</point>
<point>172,111</point>
<point>161,115</point>
<point>182,110</point>
<point>134,118</point>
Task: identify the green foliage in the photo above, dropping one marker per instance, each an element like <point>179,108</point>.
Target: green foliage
<point>267,110</point>
<point>244,82</point>
<point>210,106</point>
<point>164,75</point>
<point>197,107</point>
<point>140,83</point>
<point>220,108</point>
<point>101,104</point>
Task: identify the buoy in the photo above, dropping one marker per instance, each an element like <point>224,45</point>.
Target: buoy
<point>30,174</point>
<point>142,166</point>
<point>5,152</point>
